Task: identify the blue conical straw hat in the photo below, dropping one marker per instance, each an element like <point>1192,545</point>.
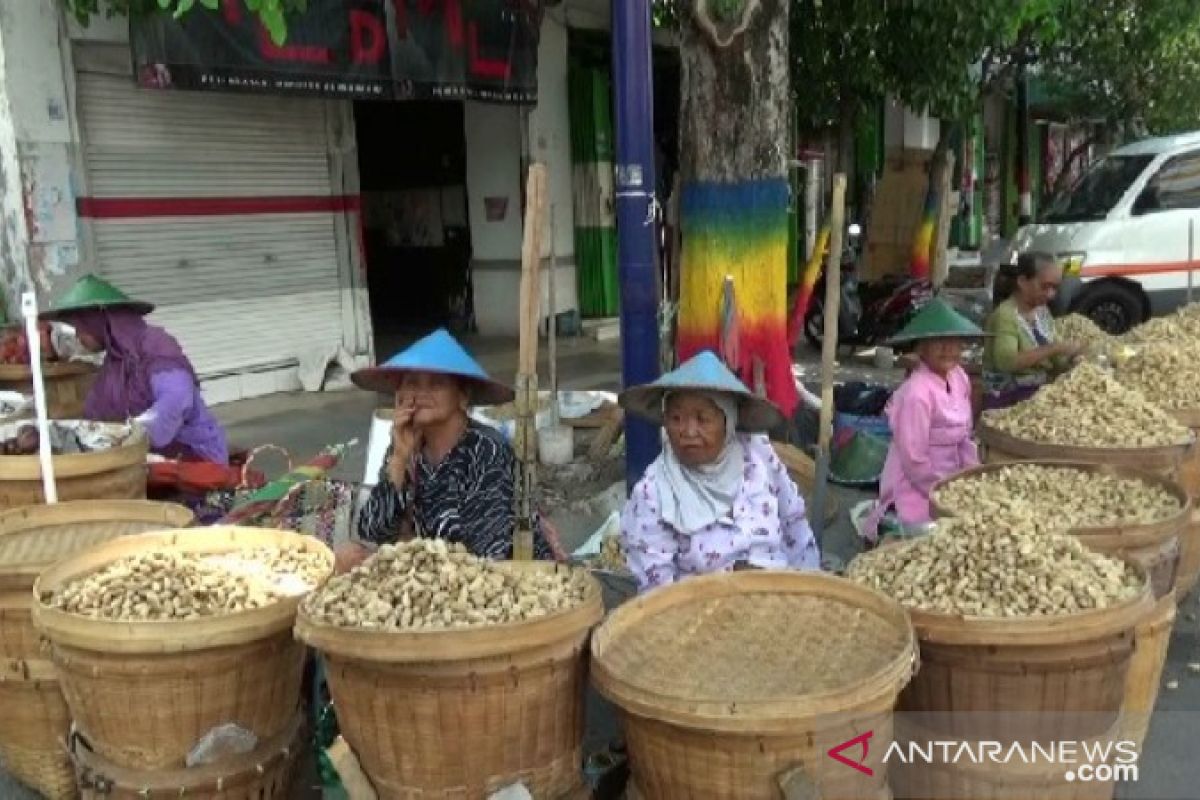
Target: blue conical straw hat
<point>441,353</point>
<point>702,372</point>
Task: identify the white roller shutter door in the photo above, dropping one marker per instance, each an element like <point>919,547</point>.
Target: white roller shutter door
<point>177,183</point>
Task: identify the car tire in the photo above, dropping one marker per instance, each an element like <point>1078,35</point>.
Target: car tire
<point>1113,306</point>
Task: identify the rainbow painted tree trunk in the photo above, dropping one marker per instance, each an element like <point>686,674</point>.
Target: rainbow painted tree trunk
<point>734,211</point>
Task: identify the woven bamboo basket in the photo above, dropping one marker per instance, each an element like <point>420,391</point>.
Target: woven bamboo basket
<point>36,724</point>
<point>265,773</point>
<point>67,385</point>
<point>1152,639</point>
<point>1024,678</point>
<point>462,713</point>
<point>963,778</point>
<point>1189,476</point>
<point>1001,448</point>
<point>1155,546</point>
<point>144,693</point>
<point>725,683</point>
<point>32,538</point>
<point>115,474</point>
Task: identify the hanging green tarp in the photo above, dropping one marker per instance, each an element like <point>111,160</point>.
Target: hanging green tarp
<point>595,221</point>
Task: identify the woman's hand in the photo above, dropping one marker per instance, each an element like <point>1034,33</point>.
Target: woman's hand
<point>405,440</point>
<point>348,556</point>
<point>1069,349</point>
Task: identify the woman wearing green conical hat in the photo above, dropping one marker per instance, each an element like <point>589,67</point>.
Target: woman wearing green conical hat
<point>930,417</point>
<point>145,375</point>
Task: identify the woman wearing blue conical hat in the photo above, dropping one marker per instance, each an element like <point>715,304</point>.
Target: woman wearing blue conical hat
<point>718,497</point>
<point>444,476</point>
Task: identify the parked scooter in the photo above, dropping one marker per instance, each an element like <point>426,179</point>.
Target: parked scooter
<point>869,313</point>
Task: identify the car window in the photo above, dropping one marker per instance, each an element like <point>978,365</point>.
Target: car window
<point>1175,186</point>
<point>1098,190</point>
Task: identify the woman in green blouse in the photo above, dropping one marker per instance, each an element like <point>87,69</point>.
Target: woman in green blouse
<point>1021,353</point>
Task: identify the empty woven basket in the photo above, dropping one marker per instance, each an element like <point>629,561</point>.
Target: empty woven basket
<point>728,683</point>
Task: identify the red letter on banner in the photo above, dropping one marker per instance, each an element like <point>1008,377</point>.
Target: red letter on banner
<point>485,67</point>
<point>367,37</point>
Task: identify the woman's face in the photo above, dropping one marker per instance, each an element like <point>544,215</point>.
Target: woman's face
<point>941,355</point>
<point>695,428</point>
<point>1041,288</point>
<point>436,398</point>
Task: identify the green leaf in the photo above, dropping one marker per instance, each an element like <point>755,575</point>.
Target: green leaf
<point>272,17</point>
<point>164,4</point>
<point>183,7</point>
<point>211,5</point>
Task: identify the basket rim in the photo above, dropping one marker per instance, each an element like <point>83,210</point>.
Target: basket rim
<point>168,636</point>
<point>50,369</point>
<point>1186,416</point>
<point>23,574</point>
<point>1134,533</point>
<point>458,644</point>
<point>129,453</point>
<point>767,714</point>
<point>1029,449</point>
<point>1060,629</point>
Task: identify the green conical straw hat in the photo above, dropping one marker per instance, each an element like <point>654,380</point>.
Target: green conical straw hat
<point>937,320</point>
<point>91,292</point>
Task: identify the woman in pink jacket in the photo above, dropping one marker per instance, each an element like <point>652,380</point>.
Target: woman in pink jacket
<point>930,417</point>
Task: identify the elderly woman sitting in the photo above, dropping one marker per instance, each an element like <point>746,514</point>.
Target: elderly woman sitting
<point>715,499</point>
<point>930,417</point>
<point>444,476</point>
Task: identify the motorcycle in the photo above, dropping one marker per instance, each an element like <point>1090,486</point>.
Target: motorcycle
<point>869,313</point>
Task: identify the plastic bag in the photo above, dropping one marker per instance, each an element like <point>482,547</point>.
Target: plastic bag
<point>222,742</point>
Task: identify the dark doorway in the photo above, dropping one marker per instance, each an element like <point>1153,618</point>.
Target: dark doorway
<point>412,168</point>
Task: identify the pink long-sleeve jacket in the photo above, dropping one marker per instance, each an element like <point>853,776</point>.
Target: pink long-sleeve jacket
<point>931,423</point>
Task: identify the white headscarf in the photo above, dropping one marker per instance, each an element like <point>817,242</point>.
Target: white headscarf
<point>692,498</point>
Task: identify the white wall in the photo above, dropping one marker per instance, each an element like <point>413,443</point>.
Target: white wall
<point>493,135</point>
<point>909,129</point>
<point>38,109</point>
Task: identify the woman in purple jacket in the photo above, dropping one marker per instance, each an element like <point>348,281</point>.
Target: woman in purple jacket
<point>145,376</point>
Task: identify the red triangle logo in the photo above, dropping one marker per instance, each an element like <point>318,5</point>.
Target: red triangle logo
<point>836,753</point>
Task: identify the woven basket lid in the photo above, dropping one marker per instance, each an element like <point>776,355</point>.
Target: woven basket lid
<point>34,537</point>
<point>753,651</point>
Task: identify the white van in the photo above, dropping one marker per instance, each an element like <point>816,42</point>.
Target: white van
<point>1122,232</point>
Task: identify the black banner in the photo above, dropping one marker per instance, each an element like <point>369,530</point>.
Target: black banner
<point>362,49</point>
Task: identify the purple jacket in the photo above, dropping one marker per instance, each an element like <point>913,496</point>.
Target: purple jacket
<point>179,423</point>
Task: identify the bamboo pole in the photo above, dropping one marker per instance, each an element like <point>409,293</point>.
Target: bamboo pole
<point>552,325</point>
<point>525,438</point>
<point>833,296</point>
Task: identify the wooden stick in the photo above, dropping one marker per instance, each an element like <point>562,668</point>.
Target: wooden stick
<point>531,258</point>
<point>552,333</point>
<point>525,437</point>
<point>833,296</point>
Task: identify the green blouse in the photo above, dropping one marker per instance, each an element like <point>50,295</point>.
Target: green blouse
<point>1010,335</point>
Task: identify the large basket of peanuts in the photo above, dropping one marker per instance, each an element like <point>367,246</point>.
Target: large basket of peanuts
<point>455,676</point>
<point>1121,511</point>
<point>164,640</point>
<point>1025,635</point>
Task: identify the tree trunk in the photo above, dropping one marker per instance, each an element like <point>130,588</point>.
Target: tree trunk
<point>735,125</point>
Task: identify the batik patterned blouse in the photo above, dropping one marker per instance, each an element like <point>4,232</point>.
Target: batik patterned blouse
<point>467,498</point>
<point>768,529</point>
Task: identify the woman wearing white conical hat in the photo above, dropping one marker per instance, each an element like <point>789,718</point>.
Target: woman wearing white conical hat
<point>718,497</point>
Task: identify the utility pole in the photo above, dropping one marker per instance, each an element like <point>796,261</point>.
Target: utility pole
<point>1024,190</point>
<point>633,101</point>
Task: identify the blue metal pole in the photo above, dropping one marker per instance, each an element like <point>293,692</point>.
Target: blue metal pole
<point>633,101</point>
